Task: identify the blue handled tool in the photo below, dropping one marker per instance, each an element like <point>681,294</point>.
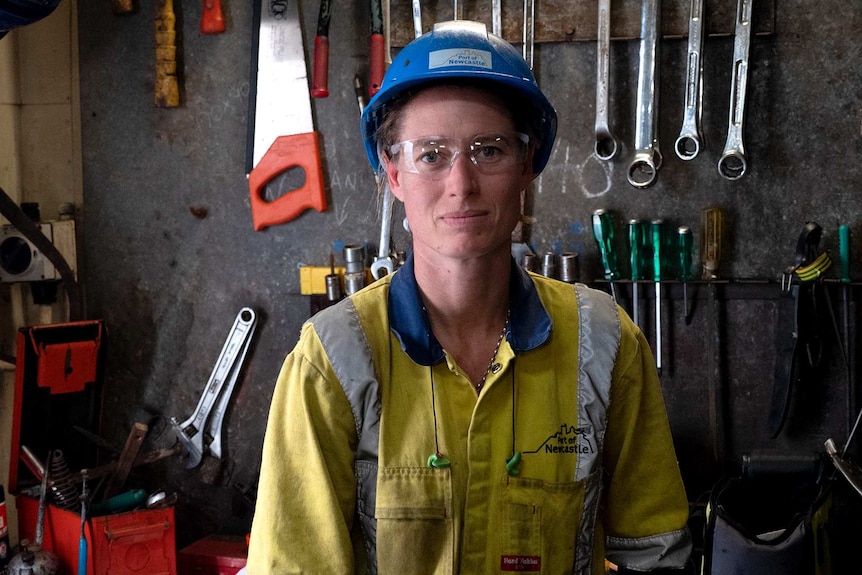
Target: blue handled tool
<point>82,543</point>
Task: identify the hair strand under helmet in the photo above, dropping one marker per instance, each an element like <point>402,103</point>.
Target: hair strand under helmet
<point>460,50</point>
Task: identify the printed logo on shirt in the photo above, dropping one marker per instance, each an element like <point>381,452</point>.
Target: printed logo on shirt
<point>568,439</point>
<point>522,563</point>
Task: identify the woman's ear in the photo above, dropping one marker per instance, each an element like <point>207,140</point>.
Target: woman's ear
<point>393,177</point>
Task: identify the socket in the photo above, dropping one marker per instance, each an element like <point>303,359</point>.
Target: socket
<point>21,261</point>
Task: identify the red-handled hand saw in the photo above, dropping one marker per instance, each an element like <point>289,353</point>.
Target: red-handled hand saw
<point>281,127</point>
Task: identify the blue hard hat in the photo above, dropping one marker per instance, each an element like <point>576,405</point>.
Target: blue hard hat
<point>460,50</point>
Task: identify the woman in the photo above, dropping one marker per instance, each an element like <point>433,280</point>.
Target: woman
<point>461,415</point>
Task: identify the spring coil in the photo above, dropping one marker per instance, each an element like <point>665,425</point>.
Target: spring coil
<point>63,487</point>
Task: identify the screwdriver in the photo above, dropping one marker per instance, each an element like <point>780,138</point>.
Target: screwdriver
<point>637,247</point>
<point>685,267</point>
<point>658,253</point>
<point>603,232</point>
<point>844,261</point>
<point>710,254</point>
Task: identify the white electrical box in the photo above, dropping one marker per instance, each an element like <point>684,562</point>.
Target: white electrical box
<point>20,261</point>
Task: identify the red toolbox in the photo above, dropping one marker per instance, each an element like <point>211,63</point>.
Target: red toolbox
<point>133,543</point>
<point>213,555</point>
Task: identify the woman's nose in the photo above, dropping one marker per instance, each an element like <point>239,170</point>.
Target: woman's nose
<point>462,175</point>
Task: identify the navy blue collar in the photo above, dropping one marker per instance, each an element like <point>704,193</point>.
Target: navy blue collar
<point>529,322</point>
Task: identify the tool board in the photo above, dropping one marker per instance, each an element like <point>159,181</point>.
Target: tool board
<point>169,253</point>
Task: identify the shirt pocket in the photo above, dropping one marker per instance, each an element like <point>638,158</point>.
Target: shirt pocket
<point>541,521</point>
<point>414,521</point>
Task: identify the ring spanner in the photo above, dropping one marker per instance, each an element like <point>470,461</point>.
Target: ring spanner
<point>644,168</point>
<point>384,263</point>
<point>732,164</point>
<point>606,143</point>
<point>688,143</point>
<point>202,431</point>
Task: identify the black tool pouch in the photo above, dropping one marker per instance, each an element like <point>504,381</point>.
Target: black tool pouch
<point>769,523</point>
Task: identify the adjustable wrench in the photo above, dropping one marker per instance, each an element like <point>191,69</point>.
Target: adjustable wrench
<point>644,168</point>
<point>203,429</point>
<point>606,143</point>
<point>688,143</point>
<point>732,164</point>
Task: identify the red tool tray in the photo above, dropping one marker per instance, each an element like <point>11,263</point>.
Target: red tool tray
<point>132,543</point>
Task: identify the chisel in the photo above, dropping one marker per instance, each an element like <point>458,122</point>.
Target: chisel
<point>657,236</point>
<point>603,232</point>
<point>637,247</point>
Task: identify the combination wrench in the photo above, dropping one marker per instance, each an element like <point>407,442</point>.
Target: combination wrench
<point>647,161</point>
<point>529,31</point>
<point>417,18</point>
<point>689,141</point>
<point>606,143</point>
<point>732,164</point>
<point>384,263</point>
<point>202,431</point>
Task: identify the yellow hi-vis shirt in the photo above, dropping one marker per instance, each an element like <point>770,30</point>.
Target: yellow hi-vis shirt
<point>563,459</point>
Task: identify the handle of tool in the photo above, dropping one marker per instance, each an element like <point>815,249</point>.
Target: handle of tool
<point>844,252</point>
<point>119,503</point>
<point>119,7</point>
<point>637,242</point>
<point>296,151</point>
<point>685,250</point>
<point>320,71</point>
<point>212,18</point>
<point>710,241</point>
<point>377,63</point>
<point>657,236</point>
<point>167,91</point>
<point>603,232</point>
<point>320,68</point>
<point>82,556</point>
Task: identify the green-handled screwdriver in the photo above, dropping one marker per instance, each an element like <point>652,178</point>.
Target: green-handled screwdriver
<point>658,256</point>
<point>603,232</point>
<point>685,276</point>
<point>637,248</point>
<point>844,261</point>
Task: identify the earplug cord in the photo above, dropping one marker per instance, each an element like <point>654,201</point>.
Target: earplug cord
<point>436,460</point>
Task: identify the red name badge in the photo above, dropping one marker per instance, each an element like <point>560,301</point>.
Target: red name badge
<point>520,563</point>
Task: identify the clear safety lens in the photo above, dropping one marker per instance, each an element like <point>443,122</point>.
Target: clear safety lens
<point>433,156</point>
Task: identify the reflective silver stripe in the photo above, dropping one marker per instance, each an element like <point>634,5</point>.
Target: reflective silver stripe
<point>349,353</point>
<point>599,333</point>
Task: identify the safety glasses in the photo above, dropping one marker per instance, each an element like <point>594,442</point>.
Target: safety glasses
<point>432,157</point>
